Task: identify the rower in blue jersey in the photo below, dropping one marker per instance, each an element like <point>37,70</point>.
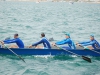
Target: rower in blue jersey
<point>92,44</point>
<point>68,41</point>
<point>18,41</point>
<point>44,41</point>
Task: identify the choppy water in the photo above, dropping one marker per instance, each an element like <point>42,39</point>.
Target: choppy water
<point>29,19</point>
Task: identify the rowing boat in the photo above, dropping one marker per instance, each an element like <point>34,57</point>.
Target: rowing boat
<point>31,51</point>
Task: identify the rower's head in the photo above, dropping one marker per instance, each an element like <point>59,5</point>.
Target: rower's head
<point>42,35</point>
<point>15,35</point>
<point>67,35</point>
<point>91,37</point>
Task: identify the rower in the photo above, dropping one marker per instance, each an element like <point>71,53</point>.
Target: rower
<point>68,41</point>
<point>18,41</point>
<point>94,44</point>
<point>44,41</point>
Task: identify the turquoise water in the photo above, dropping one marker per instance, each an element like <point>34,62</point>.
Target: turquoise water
<point>29,19</point>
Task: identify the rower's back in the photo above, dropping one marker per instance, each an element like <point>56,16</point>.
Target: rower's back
<point>96,45</point>
<point>46,43</point>
<point>19,42</point>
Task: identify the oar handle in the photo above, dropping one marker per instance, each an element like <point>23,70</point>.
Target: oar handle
<point>79,45</point>
<point>57,47</point>
<point>2,44</point>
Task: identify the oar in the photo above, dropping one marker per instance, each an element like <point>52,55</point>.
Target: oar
<point>15,54</point>
<point>83,57</point>
<point>91,50</point>
<point>13,51</point>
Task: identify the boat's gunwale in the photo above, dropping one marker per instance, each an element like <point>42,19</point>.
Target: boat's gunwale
<point>32,51</point>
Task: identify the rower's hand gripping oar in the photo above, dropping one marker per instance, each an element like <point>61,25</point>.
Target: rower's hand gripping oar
<point>83,57</point>
<point>15,54</point>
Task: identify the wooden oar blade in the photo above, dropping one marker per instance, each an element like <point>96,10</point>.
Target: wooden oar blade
<point>86,59</point>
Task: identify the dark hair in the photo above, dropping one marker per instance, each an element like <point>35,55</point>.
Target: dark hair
<point>16,34</point>
<point>42,34</point>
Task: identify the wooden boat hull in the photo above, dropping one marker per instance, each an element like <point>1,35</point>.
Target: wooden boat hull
<point>28,51</point>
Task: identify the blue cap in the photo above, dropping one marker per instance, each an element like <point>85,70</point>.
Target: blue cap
<point>92,35</point>
<point>67,34</point>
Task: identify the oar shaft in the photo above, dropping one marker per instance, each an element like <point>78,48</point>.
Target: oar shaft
<point>92,50</point>
<point>15,54</point>
<point>68,51</point>
<point>72,52</point>
<point>12,51</point>
<point>83,57</point>
<point>95,51</point>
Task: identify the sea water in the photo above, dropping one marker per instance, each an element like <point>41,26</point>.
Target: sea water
<point>29,19</point>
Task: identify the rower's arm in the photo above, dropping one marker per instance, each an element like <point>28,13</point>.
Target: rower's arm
<point>10,41</point>
<point>35,44</point>
<point>84,42</point>
<point>90,43</point>
<point>62,42</point>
